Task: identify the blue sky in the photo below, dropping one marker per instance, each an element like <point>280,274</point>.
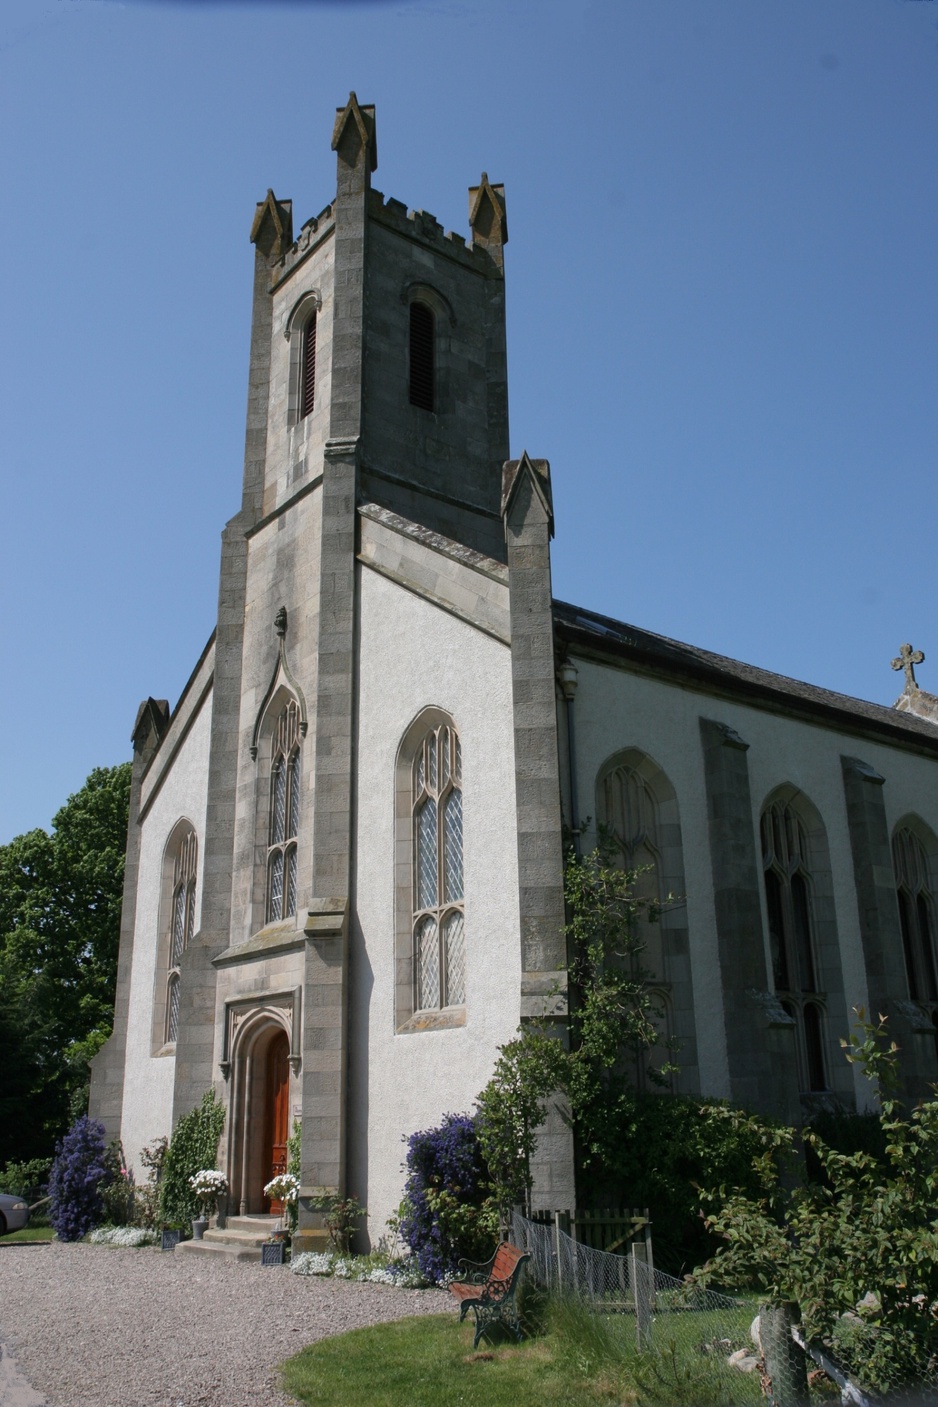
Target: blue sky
<point>722,302</point>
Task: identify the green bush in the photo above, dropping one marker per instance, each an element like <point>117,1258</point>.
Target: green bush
<point>857,1251</point>
<point>27,1180</point>
<point>660,1150</point>
<point>194,1146</point>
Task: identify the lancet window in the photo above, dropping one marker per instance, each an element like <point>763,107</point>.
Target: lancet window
<point>308,368</point>
<point>916,914</point>
<point>182,922</point>
<point>438,912</point>
<point>284,815</point>
<point>788,897</point>
<point>422,356</point>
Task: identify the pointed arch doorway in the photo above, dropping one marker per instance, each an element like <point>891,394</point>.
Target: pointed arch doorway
<point>260,1110</point>
<point>278,1113</point>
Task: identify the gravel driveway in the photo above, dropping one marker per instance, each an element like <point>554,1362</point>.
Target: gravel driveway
<point>92,1326</point>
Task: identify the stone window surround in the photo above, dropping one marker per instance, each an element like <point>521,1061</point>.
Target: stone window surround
<point>307,306</point>
<point>181,828</point>
<point>407,1020</point>
<point>443,318</point>
<point>672,988</point>
<point>266,732</point>
<point>829,998</point>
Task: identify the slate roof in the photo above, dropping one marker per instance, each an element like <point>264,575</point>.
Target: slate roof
<point>688,664</point>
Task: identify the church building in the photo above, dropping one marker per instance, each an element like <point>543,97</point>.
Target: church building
<point>344,888</point>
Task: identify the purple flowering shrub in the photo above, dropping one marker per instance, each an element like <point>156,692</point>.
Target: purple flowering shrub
<point>78,1172</point>
<point>447,1213</point>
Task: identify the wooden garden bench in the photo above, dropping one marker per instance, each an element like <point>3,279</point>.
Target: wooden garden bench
<point>489,1291</point>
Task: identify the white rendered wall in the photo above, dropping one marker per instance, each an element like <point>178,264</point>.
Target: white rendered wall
<point>413,656</point>
<point>616,709</point>
<point>148,1078</point>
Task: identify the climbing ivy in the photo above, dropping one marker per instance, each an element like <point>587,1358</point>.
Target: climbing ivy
<point>194,1146</point>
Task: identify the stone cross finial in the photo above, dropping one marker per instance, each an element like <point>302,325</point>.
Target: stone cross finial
<point>907,659</point>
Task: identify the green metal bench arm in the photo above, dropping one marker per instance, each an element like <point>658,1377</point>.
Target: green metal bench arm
<point>492,1297</point>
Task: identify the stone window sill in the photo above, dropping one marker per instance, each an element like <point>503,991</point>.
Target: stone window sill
<point>444,1020</point>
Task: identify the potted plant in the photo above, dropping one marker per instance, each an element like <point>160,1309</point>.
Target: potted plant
<point>284,1188</point>
<point>208,1185</point>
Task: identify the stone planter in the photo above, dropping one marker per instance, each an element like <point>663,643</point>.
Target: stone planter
<point>199,1224</point>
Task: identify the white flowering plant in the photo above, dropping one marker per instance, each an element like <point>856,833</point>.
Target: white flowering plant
<point>283,1188</point>
<point>374,1269</point>
<point>208,1185</point>
<point>123,1236</point>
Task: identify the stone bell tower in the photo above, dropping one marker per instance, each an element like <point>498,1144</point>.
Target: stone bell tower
<point>377,384</point>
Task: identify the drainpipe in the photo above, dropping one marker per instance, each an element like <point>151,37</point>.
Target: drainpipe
<point>567,678</point>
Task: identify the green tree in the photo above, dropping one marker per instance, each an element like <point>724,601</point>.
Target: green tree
<point>60,900</point>
<point>612,1023</point>
<point>861,1243</point>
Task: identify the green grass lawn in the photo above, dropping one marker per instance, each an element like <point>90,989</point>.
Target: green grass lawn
<point>28,1233</point>
<point>582,1360</point>
<point>429,1362</point>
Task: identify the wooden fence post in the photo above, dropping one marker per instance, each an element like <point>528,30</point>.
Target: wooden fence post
<point>785,1362</point>
<point>641,1296</point>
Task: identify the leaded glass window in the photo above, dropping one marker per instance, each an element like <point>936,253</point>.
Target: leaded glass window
<point>788,901</point>
<point>181,923</point>
<point>284,819</point>
<point>916,915</point>
<point>438,920</point>
<point>629,816</point>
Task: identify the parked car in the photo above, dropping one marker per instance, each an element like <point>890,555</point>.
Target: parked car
<point>14,1213</point>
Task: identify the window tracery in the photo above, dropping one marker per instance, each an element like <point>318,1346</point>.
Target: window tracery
<point>182,923</point>
<point>916,916</point>
<point>789,904</point>
<point>284,815</point>
<point>438,927</point>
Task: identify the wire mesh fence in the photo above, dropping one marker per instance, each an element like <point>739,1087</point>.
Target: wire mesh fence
<point>689,1345</point>
<point>684,1344</point>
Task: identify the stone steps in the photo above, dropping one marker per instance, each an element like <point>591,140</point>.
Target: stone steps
<point>241,1238</point>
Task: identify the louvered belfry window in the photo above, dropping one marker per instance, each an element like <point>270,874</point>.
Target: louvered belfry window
<point>438,923</point>
<point>422,370</point>
<point>308,383</point>
<point>182,923</point>
<point>284,816</point>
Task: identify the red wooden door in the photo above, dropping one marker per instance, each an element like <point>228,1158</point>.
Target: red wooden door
<point>278,1111</point>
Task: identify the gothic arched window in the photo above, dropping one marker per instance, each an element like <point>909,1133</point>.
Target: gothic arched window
<point>284,815</point>
<point>438,919</point>
<point>788,898</point>
<point>181,922</point>
<point>308,368</point>
<point>916,914</point>
<point>422,356</point>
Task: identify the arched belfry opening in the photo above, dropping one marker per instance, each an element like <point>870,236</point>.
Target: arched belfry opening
<point>261,1072</point>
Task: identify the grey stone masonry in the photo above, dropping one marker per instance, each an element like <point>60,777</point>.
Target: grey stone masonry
<point>887,985</point>
<point>528,517</point>
<point>440,467</point>
<point>326,983</point>
<point>194,1067</point>
<point>107,1068</point>
<point>325,1016</point>
<point>760,1036</point>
